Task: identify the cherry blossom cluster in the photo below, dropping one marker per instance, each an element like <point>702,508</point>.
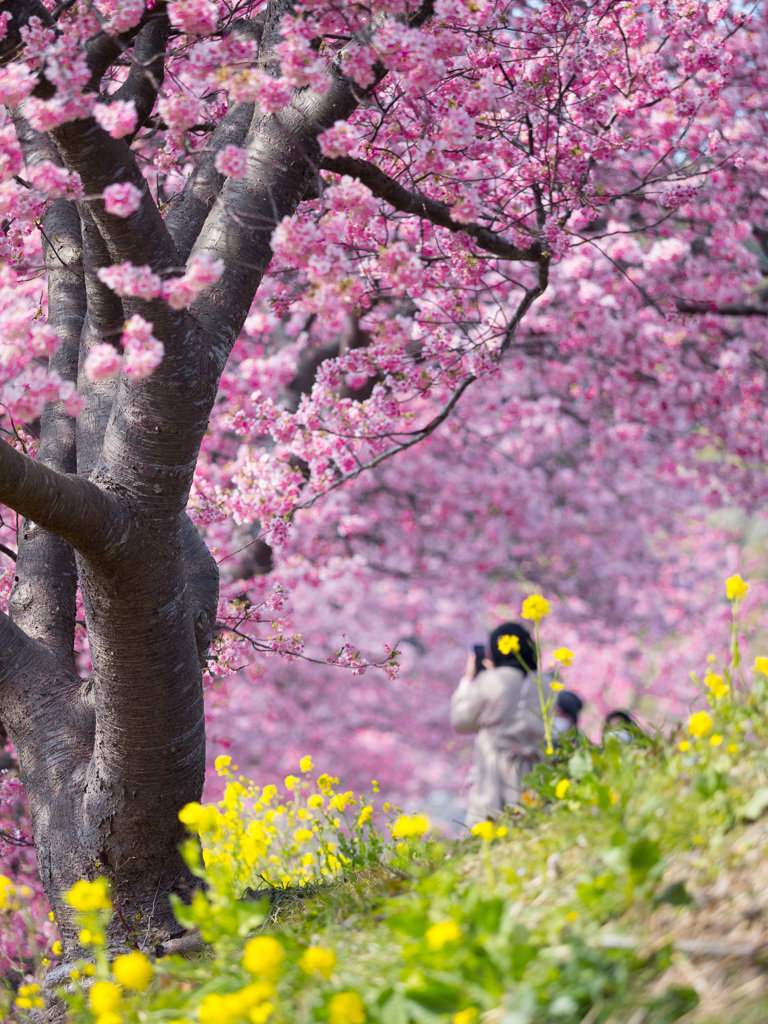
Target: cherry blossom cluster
<point>140,282</point>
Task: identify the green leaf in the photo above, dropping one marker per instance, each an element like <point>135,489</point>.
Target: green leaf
<point>436,995</point>
<point>643,855</point>
<point>580,764</point>
<point>756,804</point>
<point>486,915</point>
<point>676,895</point>
<point>409,922</point>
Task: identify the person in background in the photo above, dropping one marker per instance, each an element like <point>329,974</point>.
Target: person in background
<point>567,710</point>
<point>498,701</point>
<point>622,726</point>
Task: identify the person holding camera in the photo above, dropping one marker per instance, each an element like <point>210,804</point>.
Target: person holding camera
<point>498,701</point>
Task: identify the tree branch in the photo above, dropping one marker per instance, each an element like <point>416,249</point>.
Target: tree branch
<point>103,323</point>
<point>203,585</point>
<point>190,207</point>
<point>728,309</point>
<point>418,436</point>
<point>147,70</point>
<point>43,597</point>
<point>100,161</point>
<point>90,519</point>
<point>433,210</point>
<point>282,154</point>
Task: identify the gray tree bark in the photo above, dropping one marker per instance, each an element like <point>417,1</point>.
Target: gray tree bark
<point>108,761</point>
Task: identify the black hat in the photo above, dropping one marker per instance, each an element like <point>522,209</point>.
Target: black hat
<point>524,657</point>
<point>570,704</point>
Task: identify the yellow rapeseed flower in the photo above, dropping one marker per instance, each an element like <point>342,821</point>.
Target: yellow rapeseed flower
<point>732,748</point>
<point>326,783</point>
<point>198,818</point>
<point>562,788</point>
<point>56,948</point>
<point>700,724</point>
<point>485,829</point>
<point>134,970</point>
<point>761,665</point>
<point>535,607</point>
<point>556,686</point>
<point>263,957</point>
<point>508,644</point>
<point>465,1016</point>
<point>365,814</point>
<point>346,1008</point>
<point>501,831</point>
<point>405,826</point>
<point>6,891</point>
<point>684,745</point>
<point>735,588</point>
<point>290,781</point>
<point>221,763</point>
<point>85,896</point>
<point>563,655</point>
<point>715,739</point>
<point>305,764</point>
<point>28,998</point>
<point>104,997</point>
<point>317,960</point>
<point>315,800</point>
<point>440,934</point>
<point>302,835</point>
<point>716,684</point>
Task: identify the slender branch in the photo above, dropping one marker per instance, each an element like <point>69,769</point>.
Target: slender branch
<point>9,552</point>
<point>728,309</point>
<point>419,436</point>
<point>433,210</point>
<point>90,519</point>
<point>525,304</point>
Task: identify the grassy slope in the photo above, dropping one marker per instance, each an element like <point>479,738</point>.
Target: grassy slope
<point>631,889</point>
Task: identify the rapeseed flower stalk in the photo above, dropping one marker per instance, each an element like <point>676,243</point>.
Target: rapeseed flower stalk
<point>536,607</point>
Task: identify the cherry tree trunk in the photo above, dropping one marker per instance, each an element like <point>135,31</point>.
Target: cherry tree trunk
<point>109,760</point>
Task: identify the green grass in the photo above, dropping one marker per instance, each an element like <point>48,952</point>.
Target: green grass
<point>639,896</point>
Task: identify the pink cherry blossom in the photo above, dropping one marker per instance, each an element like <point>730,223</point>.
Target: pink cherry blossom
<point>232,161</point>
<point>125,279</point>
<point>56,181</point>
<point>102,362</point>
<point>16,83</point>
<point>197,17</point>
<point>340,140</point>
<point>120,15</point>
<point>143,351</point>
<point>122,199</point>
<point>180,112</point>
<point>118,118</point>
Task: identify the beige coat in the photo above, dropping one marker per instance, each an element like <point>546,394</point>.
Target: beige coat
<point>501,706</point>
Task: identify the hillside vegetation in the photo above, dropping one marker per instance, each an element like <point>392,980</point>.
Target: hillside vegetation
<point>630,888</point>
